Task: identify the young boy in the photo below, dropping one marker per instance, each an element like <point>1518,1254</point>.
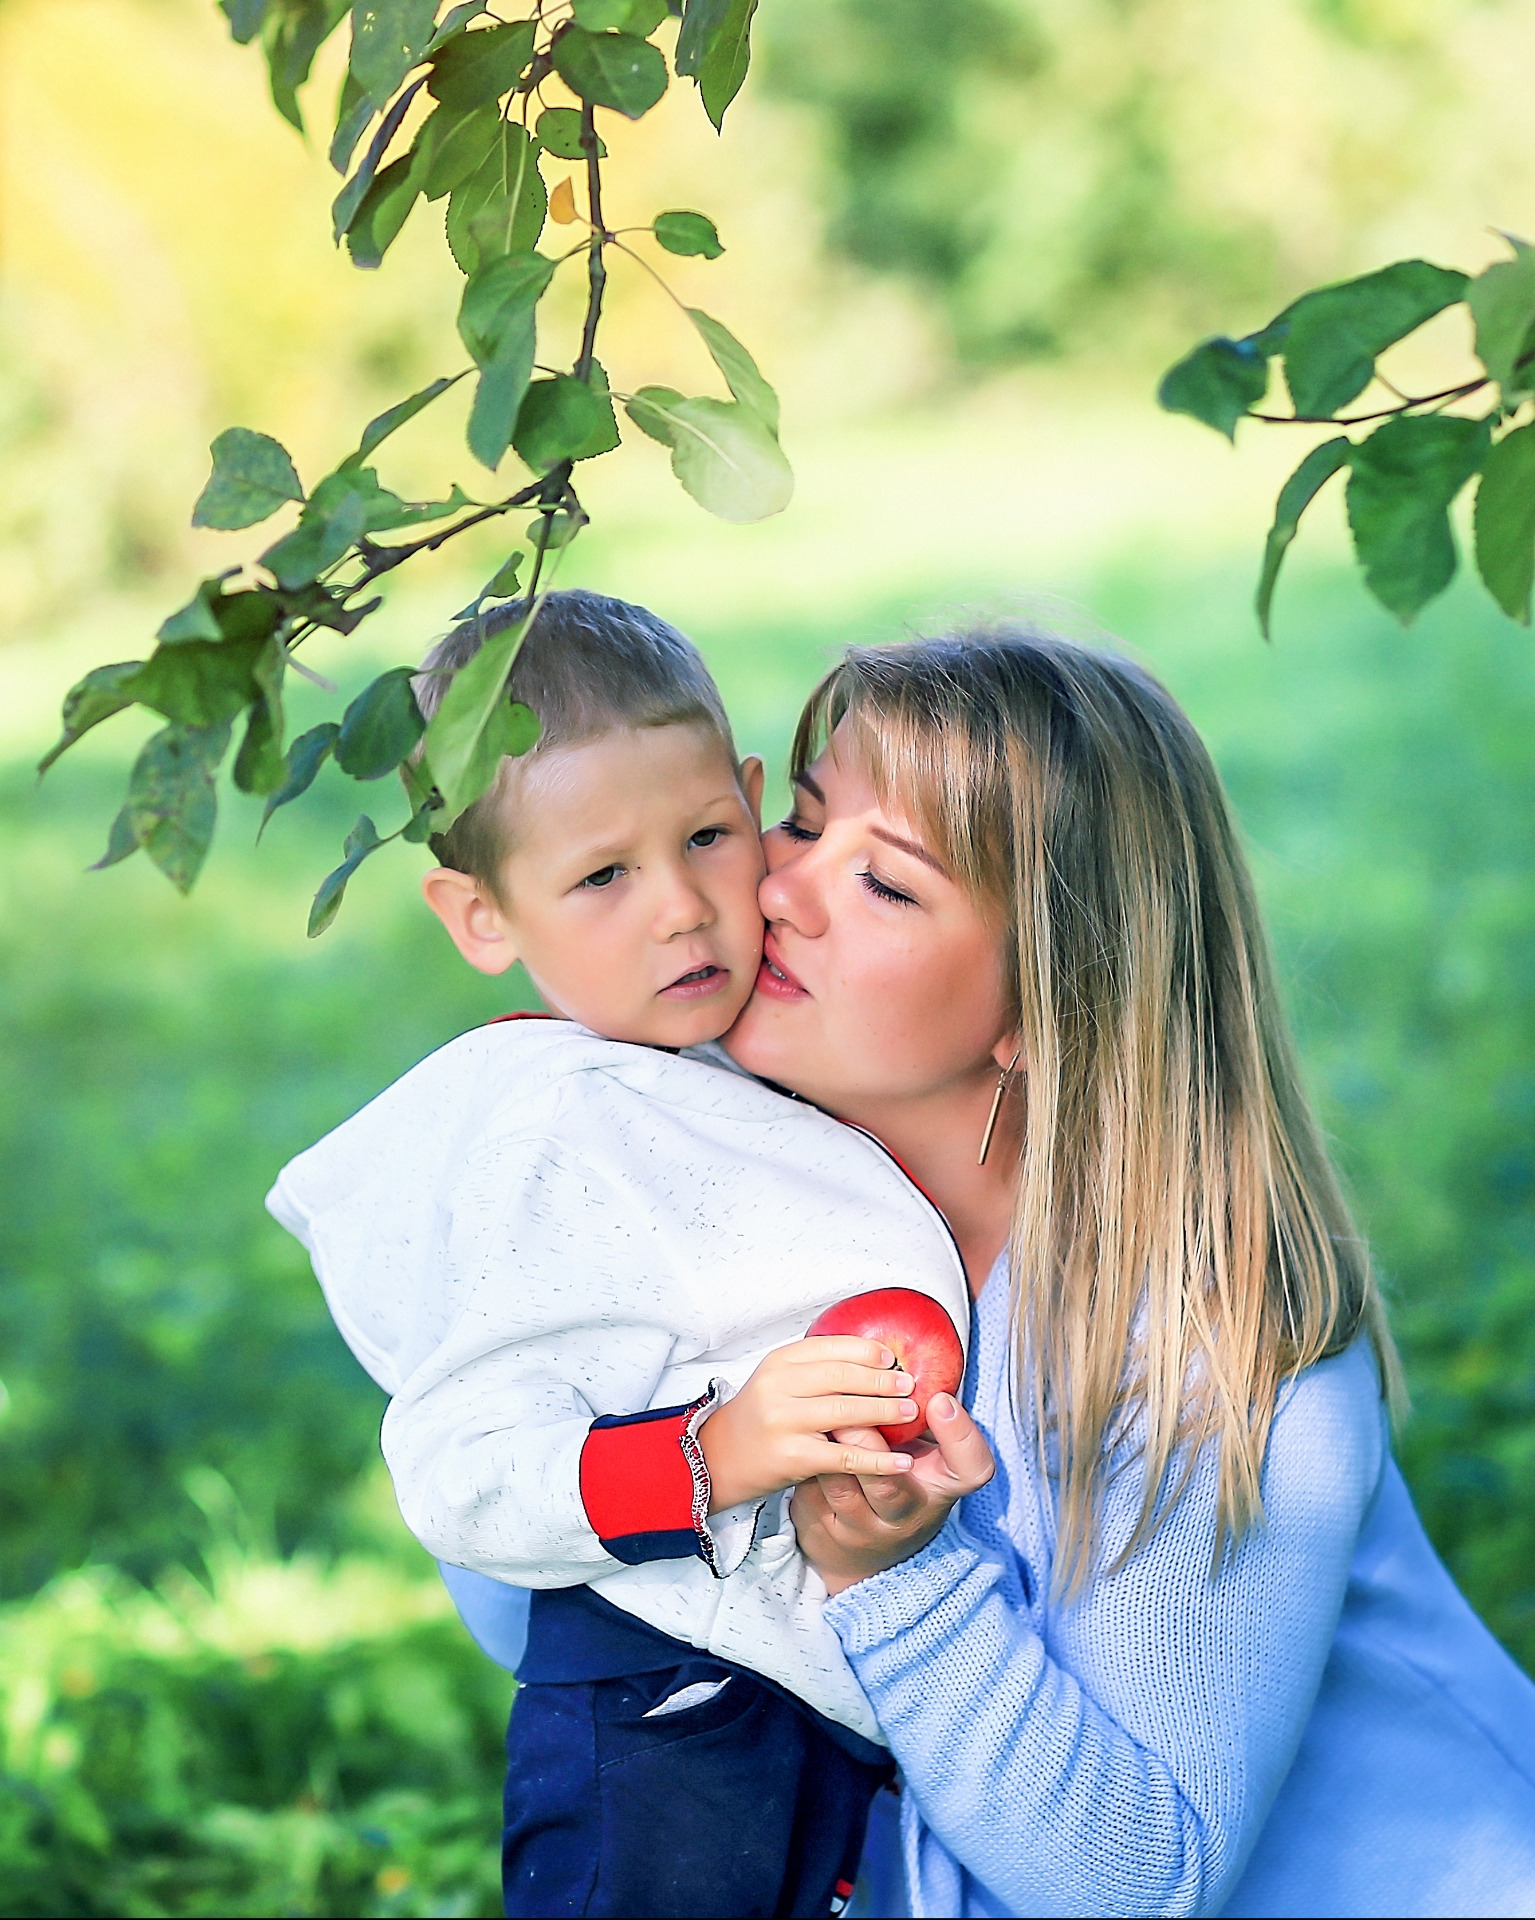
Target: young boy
<point>579,1252</point>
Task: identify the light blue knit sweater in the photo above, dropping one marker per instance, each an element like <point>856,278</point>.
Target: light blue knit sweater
<point>1325,1729</point>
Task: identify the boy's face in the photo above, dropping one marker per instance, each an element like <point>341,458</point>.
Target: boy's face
<point>631,888</point>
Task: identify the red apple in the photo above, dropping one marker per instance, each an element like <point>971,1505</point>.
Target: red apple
<point>917,1331</point>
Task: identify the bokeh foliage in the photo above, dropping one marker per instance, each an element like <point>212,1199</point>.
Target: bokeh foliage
<point>177,1396</point>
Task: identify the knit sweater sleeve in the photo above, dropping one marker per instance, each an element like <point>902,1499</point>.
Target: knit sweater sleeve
<point>1120,1754</point>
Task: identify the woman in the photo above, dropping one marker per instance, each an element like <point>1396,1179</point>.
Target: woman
<point>1184,1648</point>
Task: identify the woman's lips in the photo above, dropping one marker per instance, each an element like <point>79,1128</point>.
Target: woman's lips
<point>774,980</point>
<point>699,984</point>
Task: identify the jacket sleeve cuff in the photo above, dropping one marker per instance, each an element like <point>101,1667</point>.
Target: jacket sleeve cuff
<point>645,1488</point>
<point>889,1604</point>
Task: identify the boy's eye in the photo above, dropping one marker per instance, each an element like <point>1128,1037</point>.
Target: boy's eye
<point>603,877</point>
<point>795,831</point>
<point>706,836</point>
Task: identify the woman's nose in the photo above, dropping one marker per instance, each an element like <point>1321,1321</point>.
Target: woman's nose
<point>791,893</point>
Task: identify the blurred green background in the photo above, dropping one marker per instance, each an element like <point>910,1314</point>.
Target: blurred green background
<point>229,1682</point>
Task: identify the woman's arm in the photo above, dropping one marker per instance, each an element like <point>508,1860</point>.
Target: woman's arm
<point>1120,1755</point>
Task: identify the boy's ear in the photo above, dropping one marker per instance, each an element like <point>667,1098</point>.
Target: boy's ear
<point>753,774</point>
<point>475,924</point>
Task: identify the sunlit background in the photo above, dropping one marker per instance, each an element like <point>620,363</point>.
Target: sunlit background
<point>963,237</point>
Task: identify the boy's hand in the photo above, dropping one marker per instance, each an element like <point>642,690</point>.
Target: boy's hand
<point>774,1432</point>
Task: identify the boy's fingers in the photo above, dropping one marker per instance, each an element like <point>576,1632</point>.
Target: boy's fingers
<point>854,1410</point>
<point>864,1461</point>
<point>842,1376</point>
<point>841,1346</point>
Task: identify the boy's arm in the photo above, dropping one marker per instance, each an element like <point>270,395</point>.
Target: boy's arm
<point>500,1463</point>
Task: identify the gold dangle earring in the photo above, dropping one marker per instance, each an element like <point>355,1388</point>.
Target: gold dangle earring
<point>996,1106</point>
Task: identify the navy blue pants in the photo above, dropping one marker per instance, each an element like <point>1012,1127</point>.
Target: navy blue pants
<point>741,1804</point>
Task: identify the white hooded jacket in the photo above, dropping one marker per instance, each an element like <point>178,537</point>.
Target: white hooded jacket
<point>536,1227</point>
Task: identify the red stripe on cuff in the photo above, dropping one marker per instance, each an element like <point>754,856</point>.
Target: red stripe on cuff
<point>635,1477</point>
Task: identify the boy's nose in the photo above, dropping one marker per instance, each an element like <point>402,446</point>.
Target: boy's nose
<point>682,909</point>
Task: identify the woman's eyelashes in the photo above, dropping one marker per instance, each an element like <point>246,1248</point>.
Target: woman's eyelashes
<point>882,891</point>
<point>795,830</point>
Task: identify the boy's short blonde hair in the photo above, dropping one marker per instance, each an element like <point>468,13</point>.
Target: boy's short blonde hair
<point>587,665</point>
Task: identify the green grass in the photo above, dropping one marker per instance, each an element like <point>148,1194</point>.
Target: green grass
<point>176,1399</point>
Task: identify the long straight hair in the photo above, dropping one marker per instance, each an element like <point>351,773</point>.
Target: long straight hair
<point>1179,1242</point>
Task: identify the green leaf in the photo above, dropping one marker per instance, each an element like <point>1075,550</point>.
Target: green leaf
<point>1502,303</point>
<point>292,32</point>
<point>360,842</point>
<point>344,208</point>
<point>559,131</point>
<point>1333,335</point>
<point>551,531</point>
<point>252,476</point>
<point>244,17</point>
<point>251,615</point>
<point>1504,523</point>
<point>380,727</point>
<point>452,145</point>
<point>121,841</point>
<point>388,38</point>
<point>103,692</point>
<point>317,542</point>
<point>500,208</point>
<point>353,112</point>
<point>304,760</point>
<point>198,684</point>
<point>471,730</point>
<point>1216,383</point>
<point>477,69</point>
<point>701,22</point>
<point>722,70</point>
<point>564,419</point>
<point>454,22</point>
<point>651,411</point>
<point>722,452</point>
<point>617,70</point>
<point>502,584</point>
<point>172,805</point>
<point>687,233</point>
<point>1402,481</point>
<point>630,16</point>
<point>259,765</point>
<point>496,322</point>
<point>739,369</point>
<point>385,209</point>
<point>379,429</point>
<point>1295,496</point>
<point>198,619</point>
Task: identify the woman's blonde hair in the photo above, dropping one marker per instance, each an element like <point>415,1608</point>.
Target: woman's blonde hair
<point>1180,1243</point>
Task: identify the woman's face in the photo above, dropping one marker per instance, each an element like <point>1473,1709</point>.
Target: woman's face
<point>880,980</point>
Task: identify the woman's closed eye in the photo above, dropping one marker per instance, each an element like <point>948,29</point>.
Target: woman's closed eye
<point>882,891</point>
<point>796,830</point>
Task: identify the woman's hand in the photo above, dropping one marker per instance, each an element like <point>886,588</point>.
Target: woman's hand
<point>850,1527</point>
<point>773,1433</point>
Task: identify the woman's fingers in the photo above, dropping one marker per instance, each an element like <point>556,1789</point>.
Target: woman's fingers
<point>962,1461</point>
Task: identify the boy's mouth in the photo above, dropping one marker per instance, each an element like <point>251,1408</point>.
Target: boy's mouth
<point>697,984</point>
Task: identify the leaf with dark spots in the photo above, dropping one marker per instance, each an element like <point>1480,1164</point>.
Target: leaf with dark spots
<point>172,803</point>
